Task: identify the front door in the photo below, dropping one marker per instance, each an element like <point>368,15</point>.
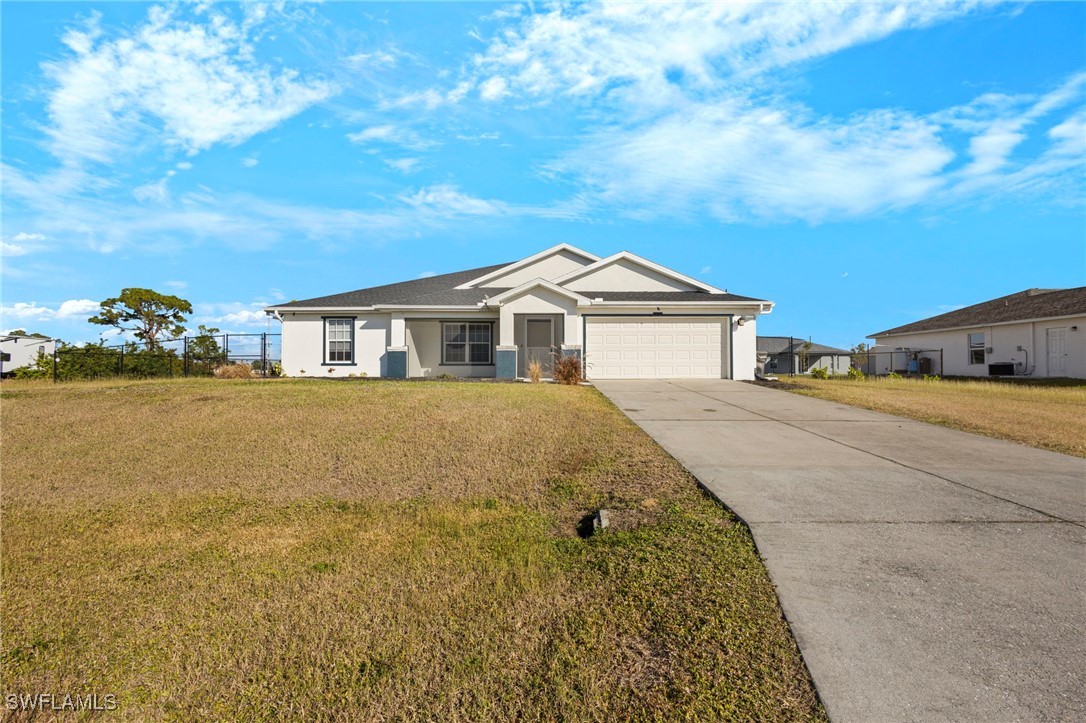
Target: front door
<point>538,343</point>
<point>1057,352</point>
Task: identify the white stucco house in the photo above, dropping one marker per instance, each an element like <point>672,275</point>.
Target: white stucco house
<point>795,355</point>
<point>17,350</point>
<point>623,315</point>
<point>1036,332</point>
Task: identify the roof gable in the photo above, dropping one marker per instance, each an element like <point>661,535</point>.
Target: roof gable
<point>526,287</point>
<point>547,264</point>
<point>1022,306</point>
<point>625,271</point>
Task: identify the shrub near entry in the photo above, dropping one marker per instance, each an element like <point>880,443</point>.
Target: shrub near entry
<point>567,370</point>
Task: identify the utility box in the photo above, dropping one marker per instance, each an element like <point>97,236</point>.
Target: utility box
<point>1003,369</point>
<point>925,365</point>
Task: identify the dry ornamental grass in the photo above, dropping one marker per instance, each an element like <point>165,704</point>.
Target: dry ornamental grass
<point>1047,416</point>
<point>207,549</point>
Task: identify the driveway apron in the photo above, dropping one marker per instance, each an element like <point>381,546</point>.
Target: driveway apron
<point>927,574</point>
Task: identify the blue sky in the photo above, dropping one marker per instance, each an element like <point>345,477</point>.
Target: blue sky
<point>861,165</point>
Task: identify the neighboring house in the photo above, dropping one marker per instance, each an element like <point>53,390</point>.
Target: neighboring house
<point>18,351</point>
<point>793,355</point>
<point>625,316</point>
<point>1037,332</point>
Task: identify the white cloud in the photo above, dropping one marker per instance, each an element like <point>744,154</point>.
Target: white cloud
<point>390,134</point>
<point>447,199</point>
<point>427,274</point>
<point>700,125</point>
<point>177,285</point>
<point>706,270</point>
<point>23,236</point>
<point>195,83</point>
<point>592,48</point>
<point>77,307</point>
<point>249,162</point>
<point>491,136</point>
<point>184,166</point>
<point>33,311</point>
<point>156,192</point>
<point>378,58</point>
<point>235,313</point>
<point>735,161</point>
<point>403,165</point>
<point>493,88</point>
<point>243,221</point>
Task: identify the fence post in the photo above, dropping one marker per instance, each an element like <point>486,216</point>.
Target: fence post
<point>54,363</point>
<point>941,372</point>
<point>264,355</point>
<point>185,357</point>
<point>226,347</point>
<point>122,362</point>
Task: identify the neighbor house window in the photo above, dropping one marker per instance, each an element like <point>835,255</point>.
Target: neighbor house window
<point>339,340</point>
<point>464,342</point>
<point>976,348</point>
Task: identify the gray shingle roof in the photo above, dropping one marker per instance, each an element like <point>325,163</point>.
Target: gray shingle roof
<point>1028,304</point>
<point>779,345</point>
<point>441,291</point>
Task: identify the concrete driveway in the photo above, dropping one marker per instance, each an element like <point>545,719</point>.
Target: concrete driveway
<point>927,574</point>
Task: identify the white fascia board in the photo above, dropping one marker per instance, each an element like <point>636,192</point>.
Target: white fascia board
<point>762,307</point>
<point>316,309</point>
<point>1036,320</point>
<point>425,307</point>
<point>527,286</point>
<point>621,255</point>
<point>530,260</point>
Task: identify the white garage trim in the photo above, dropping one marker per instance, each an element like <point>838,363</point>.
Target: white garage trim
<point>655,367</point>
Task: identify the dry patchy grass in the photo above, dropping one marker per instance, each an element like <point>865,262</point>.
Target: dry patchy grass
<point>373,551</point>
<point>1050,417</point>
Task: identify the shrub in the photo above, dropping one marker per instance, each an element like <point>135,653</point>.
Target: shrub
<point>931,377</point>
<point>535,371</point>
<point>567,370</point>
<point>854,373</point>
<point>239,370</point>
<point>893,375</point>
<point>820,373</point>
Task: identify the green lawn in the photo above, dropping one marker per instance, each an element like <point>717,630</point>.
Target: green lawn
<point>374,551</point>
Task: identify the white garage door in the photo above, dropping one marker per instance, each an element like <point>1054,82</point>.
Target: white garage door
<point>654,348</point>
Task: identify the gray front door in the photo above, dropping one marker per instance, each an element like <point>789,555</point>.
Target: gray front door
<point>538,343</point>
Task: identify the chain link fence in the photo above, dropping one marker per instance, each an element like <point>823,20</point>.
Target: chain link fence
<point>881,362</point>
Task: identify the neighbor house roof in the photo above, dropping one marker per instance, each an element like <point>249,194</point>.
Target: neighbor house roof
<point>1022,306</point>
<point>780,345</point>
<point>442,291</point>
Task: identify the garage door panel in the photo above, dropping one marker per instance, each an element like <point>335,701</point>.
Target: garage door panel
<point>654,348</point>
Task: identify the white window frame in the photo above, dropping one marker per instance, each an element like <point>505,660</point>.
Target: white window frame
<point>973,347</point>
<point>467,329</point>
<point>339,322</point>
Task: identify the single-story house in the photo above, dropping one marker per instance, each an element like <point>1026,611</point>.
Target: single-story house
<point>795,355</point>
<point>1036,332</point>
<point>17,350</point>
<point>623,315</point>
